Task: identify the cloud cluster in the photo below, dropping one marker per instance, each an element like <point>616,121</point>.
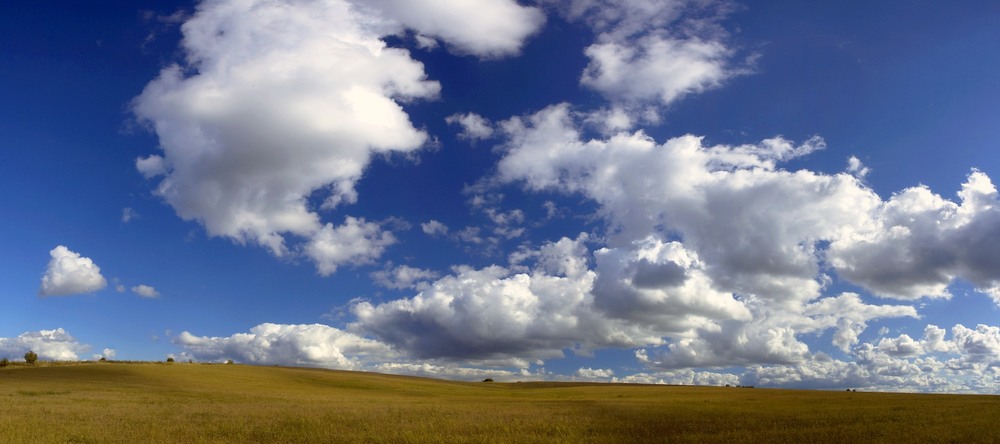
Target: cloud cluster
<point>312,345</point>
<point>735,250</point>
<point>56,345</point>
<point>280,105</point>
<point>70,273</point>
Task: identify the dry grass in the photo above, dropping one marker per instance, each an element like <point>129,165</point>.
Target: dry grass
<point>227,403</point>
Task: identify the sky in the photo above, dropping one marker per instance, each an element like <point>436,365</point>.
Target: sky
<point>777,194</point>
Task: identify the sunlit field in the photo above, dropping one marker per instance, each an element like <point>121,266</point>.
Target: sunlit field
<point>149,402</point>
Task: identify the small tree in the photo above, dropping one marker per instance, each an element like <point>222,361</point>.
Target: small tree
<point>170,359</point>
<point>30,357</point>
<point>4,362</point>
<point>488,380</point>
<point>229,362</point>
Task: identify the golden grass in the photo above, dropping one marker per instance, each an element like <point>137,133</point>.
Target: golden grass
<point>235,403</point>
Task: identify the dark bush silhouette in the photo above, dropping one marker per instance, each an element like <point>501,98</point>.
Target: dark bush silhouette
<point>488,380</point>
<point>30,357</point>
<point>4,362</point>
<point>170,359</point>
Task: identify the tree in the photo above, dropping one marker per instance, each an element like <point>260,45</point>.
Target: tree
<point>170,359</point>
<point>4,362</point>
<point>30,357</point>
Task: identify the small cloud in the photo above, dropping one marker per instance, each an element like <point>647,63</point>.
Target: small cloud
<point>434,228</point>
<point>426,43</point>
<point>146,291</point>
<point>128,214</point>
<point>595,373</point>
<point>108,353</point>
<point>474,126</point>
<point>856,168</point>
<point>403,277</point>
<point>69,273</point>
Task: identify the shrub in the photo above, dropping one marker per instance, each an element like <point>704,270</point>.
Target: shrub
<point>4,362</point>
<point>170,359</point>
<point>30,357</point>
<point>488,380</point>
<point>230,362</point>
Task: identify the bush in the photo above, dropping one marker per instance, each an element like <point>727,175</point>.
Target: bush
<point>170,359</point>
<point>30,357</point>
<point>488,380</point>
<point>230,362</point>
<point>4,362</point>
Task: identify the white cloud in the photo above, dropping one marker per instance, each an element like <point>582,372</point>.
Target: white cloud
<point>307,345</point>
<point>966,362</point>
<point>434,228</point>
<point>56,345</point>
<point>355,242</point>
<point>595,373</point>
<point>279,102</point>
<point>474,126</point>
<point>128,214</point>
<point>146,291</point>
<point>69,273</point>
<point>403,277</point>
<point>652,52</point>
<point>107,353</point>
<point>680,377</point>
<point>495,316</point>
<point>917,242</point>
<point>655,68</point>
<point>488,28</point>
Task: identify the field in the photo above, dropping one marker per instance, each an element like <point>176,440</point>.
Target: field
<point>117,402</point>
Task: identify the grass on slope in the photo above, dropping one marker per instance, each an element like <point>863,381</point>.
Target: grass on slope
<point>236,403</point>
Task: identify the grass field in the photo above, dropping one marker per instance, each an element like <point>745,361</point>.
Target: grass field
<point>112,402</point>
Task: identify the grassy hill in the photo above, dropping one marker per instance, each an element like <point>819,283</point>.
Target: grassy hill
<point>113,402</point>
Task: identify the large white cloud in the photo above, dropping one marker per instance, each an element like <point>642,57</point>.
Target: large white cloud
<point>280,103</point>
<point>758,242</point>
<point>497,316</point>
<point>966,362</point>
<point>57,345</point>
<point>308,345</point>
<point>70,273</point>
<point>917,242</point>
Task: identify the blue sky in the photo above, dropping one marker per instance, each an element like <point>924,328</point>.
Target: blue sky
<point>776,193</point>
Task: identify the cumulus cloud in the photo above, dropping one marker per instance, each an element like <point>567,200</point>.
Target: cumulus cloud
<point>278,103</point>
<point>145,291</point>
<point>487,28</point>
<point>306,345</point>
<point>56,345</point>
<point>434,228</point>
<point>498,317</point>
<point>595,373</point>
<point>964,362</point>
<point>70,273</point>
<point>726,254</point>
<point>917,242</point>
<point>680,377</point>
<point>474,126</point>
<point>403,277</point>
<point>652,52</point>
<point>355,242</point>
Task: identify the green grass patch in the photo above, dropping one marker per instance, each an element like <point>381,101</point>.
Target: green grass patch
<point>236,403</point>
